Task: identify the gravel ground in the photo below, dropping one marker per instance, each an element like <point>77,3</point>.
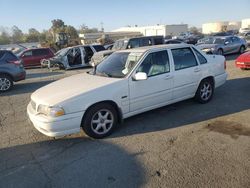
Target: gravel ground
<point>181,145</point>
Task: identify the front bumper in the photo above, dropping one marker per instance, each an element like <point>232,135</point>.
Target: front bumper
<point>61,126</point>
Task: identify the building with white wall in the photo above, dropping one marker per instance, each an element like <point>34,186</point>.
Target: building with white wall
<point>164,30</point>
<point>245,23</point>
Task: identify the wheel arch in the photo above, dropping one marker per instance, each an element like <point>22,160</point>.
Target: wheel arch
<point>8,74</point>
<point>110,102</point>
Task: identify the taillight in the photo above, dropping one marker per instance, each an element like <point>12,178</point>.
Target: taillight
<point>225,65</point>
<point>15,62</point>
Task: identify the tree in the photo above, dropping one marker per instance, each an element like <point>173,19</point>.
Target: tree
<point>32,36</point>
<point>4,38</point>
<point>57,23</point>
<point>17,34</point>
<point>194,30</point>
<point>71,31</point>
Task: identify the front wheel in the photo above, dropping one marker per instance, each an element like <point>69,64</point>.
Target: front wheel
<point>6,83</point>
<point>242,50</point>
<point>220,52</point>
<point>205,91</point>
<point>100,120</point>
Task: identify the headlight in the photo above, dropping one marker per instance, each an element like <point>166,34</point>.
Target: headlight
<point>50,110</point>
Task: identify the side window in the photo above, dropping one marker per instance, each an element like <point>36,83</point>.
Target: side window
<point>155,63</point>
<point>145,42</point>
<point>98,48</point>
<point>88,51</point>
<point>201,58</point>
<point>27,54</point>
<point>133,43</point>
<point>158,40</point>
<point>183,58</point>
<point>40,52</point>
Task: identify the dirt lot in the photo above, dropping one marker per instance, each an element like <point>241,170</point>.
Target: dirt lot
<point>181,145</point>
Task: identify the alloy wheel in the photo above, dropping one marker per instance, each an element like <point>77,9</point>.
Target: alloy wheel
<point>206,91</point>
<point>102,121</point>
<point>5,84</point>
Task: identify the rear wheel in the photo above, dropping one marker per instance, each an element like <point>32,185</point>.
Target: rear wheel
<point>6,82</point>
<point>242,50</point>
<point>220,52</point>
<point>205,91</point>
<point>100,120</point>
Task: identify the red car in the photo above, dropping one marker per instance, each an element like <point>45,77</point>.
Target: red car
<point>243,61</point>
<point>33,57</point>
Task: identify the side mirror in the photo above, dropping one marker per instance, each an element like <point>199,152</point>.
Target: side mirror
<point>140,76</point>
<point>226,43</point>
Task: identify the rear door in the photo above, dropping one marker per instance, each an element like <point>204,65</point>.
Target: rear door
<point>28,58</point>
<point>88,54</point>
<point>187,73</point>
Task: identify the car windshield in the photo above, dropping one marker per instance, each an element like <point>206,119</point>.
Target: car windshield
<point>62,52</point>
<point>118,64</point>
<point>120,45</point>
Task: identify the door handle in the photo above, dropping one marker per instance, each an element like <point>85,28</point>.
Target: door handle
<point>197,70</point>
<point>168,77</point>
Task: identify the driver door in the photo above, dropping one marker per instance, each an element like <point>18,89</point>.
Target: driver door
<point>156,90</point>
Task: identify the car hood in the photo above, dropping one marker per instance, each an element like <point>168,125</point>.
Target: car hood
<point>244,57</point>
<point>206,46</point>
<point>67,88</point>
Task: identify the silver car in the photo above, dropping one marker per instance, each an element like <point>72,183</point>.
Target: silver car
<point>222,45</point>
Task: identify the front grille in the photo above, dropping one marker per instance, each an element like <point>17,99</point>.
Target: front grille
<point>33,104</point>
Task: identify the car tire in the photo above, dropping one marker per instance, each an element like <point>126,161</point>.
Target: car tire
<point>6,83</point>
<point>242,50</point>
<point>61,66</point>
<point>100,120</point>
<point>205,91</point>
<point>220,52</point>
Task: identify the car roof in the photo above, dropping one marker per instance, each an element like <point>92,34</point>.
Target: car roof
<point>156,47</point>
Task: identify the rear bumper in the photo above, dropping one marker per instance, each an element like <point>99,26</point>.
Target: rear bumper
<point>220,79</point>
<point>61,126</point>
<point>20,76</point>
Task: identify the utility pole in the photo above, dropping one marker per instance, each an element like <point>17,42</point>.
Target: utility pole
<point>102,29</point>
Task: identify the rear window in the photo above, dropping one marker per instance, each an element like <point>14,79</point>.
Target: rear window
<point>9,56</point>
<point>99,48</point>
<point>1,54</point>
<point>201,58</point>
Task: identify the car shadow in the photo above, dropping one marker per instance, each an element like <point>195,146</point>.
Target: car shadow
<point>42,74</point>
<point>74,162</point>
<point>26,87</point>
<point>230,98</point>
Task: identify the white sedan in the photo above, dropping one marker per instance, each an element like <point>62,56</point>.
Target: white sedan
<point>126,83</point>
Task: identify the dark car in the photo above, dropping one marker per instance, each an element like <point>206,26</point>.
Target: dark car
<point>11,70</point>
<point>173,41</point>
<point>127,43</point>
<point>33,57</point>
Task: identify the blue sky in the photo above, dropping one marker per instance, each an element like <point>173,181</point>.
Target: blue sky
<point>117,13</point>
